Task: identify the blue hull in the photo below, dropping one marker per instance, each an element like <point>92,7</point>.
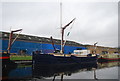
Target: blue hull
<point>47,59</point>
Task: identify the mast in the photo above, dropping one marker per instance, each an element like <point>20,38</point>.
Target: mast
<point>52,43</point>
<point>63,28</point>
<point>10,39</point>
<point>95,47</point>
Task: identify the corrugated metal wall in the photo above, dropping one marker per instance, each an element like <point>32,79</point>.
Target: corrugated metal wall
<point>32,46</point>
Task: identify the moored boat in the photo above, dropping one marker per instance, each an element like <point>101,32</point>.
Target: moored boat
<point>61,59</point>
<point>21,59</point>
<point>109,57</point>
<point>5,55</point>
<point>58,57</point>
<point>4,58</point>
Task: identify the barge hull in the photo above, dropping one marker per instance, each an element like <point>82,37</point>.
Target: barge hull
<point>47,59</point>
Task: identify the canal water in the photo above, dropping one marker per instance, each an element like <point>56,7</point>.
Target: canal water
<point>99,71</point>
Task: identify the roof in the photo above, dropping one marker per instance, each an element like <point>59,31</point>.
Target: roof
<point>5,35</point>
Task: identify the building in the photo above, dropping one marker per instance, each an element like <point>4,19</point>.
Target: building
<point>26,44</point>
<point>101,49</point>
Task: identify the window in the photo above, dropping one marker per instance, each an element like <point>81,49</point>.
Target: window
<point>104,52</point>
<point>5,35</point>
<point>29,38</point>
<point>39,39</point>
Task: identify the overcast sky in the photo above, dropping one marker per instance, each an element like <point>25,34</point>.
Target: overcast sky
<point>96,21</point>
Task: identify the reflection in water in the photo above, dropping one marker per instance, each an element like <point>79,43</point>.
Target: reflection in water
<point>61,77</point>
<point>95,77</point>
<point>108,64</point>
<point>6,69</point>
<point>31,73</point>
<point>50,71</point>
<point>22,72</point>
<point>17,72</point>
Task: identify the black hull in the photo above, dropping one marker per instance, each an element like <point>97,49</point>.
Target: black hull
<point>7,65</point>
<point>47,59</point>
<point>5,60</point>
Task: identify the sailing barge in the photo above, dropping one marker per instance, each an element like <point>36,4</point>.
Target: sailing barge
<point>58,58</point>
<point>5,55</point>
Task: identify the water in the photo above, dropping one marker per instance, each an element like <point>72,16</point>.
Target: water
<point>98,71</point>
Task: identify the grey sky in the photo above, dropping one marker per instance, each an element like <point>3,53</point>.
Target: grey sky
<point>95,21</point>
